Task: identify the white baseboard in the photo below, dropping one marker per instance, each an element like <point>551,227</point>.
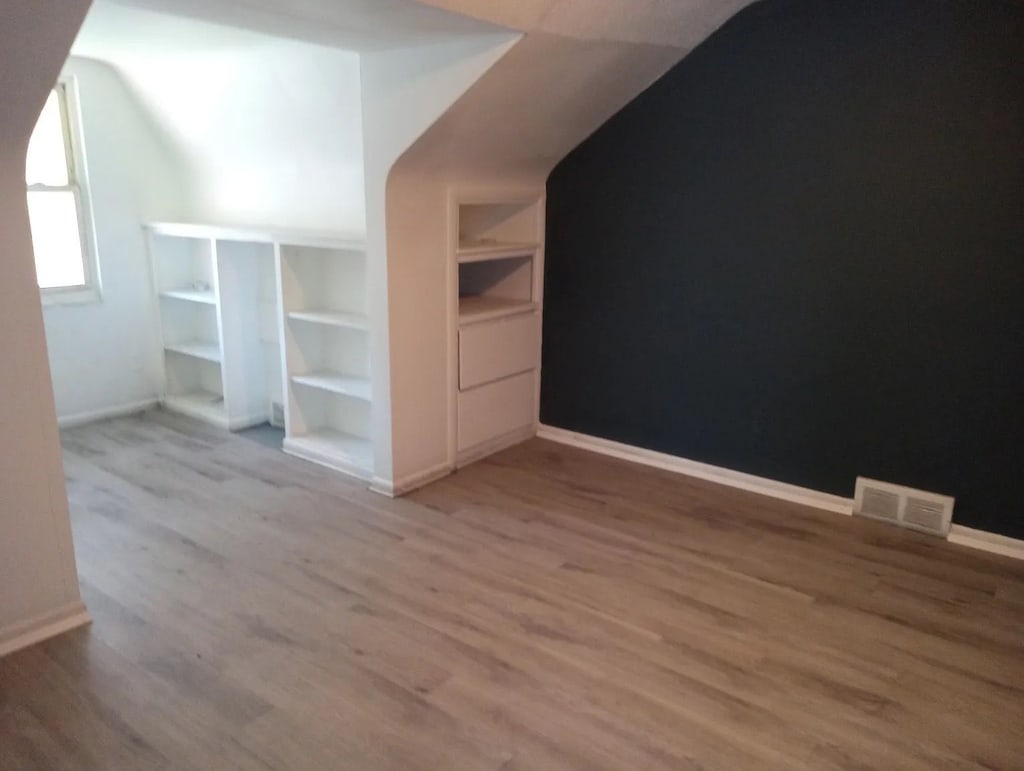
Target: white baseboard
<point>410,482</point>
<point>705,471</point>
<point>117,411</point>
<point>494,446</point>
<point>958,534</point>
<point>986,541</point>
<point>42,627</point>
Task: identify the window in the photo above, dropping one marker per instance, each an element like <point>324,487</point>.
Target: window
<point>58,205</point>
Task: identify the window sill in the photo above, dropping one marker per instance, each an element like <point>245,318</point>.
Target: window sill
<point>79,295</point>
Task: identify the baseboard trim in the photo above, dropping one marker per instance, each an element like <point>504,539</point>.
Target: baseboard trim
<point>698,470</point>
<point>117,411</point>
<point>42,627</point>
<point>986,541</point>
<point>410,482</point>
<point>494,446</point>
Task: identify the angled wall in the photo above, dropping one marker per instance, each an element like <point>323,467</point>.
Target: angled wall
<point>578,62</point>
<point>799,255</point>
<point>404,92</point>
<point>269,129</point>
<point>39,592</point>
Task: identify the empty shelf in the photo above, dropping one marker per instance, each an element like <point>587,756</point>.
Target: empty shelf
<point>203,405</point>
<point>345,452</point>
<point>332,318</point>
<point>482,308</point>
<point>207,297</point>
<point>197,349</point>
<point>476,251</point>
<point>356,387</point>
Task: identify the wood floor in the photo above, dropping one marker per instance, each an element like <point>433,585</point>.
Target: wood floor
<point>543,609</point>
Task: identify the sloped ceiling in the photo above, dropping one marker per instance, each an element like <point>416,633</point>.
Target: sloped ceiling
<point>355,25</point>
<point>579,63</point>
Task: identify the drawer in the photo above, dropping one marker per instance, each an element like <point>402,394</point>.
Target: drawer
<point>490,411</point>
<point>497,349</point>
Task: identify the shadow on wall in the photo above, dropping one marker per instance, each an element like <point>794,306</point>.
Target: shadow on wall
<point>798,255</point>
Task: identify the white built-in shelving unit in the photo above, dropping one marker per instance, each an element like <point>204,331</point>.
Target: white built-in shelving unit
<point>327,354</point>
<point>497,253</point>
<point>268,325</point>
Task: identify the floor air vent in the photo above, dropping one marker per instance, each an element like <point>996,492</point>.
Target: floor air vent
<point>928,512</point>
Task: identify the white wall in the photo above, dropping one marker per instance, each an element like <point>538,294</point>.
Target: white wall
<point>39,592</point>
<point>404,92</point>
<point>271,129</point>
<point>105,355</point>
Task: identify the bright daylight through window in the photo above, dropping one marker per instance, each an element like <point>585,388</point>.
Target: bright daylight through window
<point>56,202</point>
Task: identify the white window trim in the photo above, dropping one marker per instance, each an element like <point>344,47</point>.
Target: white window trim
<point>78,183</point>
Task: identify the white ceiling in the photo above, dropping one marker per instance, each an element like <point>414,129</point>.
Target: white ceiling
<point>359,25</point>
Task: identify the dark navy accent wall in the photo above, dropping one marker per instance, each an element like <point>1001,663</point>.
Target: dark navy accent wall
<point>800,254</point>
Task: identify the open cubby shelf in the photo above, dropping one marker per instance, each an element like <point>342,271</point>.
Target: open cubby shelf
<point>202,296</point>
<point>201,404</point>
<point>198,349</point>
<point>478,308</point>
<point>335,382</point>
<point>345,452</point>
<point>332,318</point>
<point>495,288</point>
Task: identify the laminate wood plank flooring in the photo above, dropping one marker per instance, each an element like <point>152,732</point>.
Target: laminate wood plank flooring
<point>545,608</point>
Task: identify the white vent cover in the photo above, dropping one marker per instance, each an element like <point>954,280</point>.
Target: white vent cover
<point>916,509</point>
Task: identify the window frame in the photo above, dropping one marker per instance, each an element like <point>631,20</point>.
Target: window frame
<point>90,290</point>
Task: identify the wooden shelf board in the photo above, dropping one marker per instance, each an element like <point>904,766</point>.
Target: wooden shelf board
<point>482,308</point>
<point>332,318</point>
<point>208,297</point>
<point>336,449</point>
<point>480,251</point>
<point>197,349</point>
<point>356,387</point>
<point>203,405</point>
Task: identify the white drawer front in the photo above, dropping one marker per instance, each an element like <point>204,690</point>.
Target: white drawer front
<point>497,349</point>
<point>490,411</point>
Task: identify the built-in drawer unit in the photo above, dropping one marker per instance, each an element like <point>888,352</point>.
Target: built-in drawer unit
<point>491,411</point>
<point>493,350</point>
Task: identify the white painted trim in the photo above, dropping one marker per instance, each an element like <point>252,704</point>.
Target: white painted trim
<point>986,541</point>
<point>43,626</point>
<point>117,411</point>
<point>691,468</point>
<point>410,482</point>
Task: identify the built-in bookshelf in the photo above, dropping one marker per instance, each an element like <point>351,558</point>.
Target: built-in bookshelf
<point>497,248</point>
<point>268,325</point>
<point>185,272</point>
<point>327,354</point>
